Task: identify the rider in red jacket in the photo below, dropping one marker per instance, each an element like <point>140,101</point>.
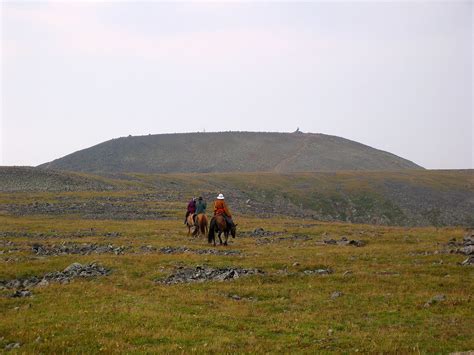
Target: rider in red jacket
<point>191,209</point>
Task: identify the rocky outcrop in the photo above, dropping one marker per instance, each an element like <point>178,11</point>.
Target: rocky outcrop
<point>203,273</point>
<point>73,271</point>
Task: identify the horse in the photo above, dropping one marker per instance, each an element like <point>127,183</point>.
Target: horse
<point>219,225</point>
<point>202,228</point>
<point>190,223</point>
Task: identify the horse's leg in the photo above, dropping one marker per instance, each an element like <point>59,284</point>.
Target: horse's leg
<point>226,235</point>
<point>220,239</point>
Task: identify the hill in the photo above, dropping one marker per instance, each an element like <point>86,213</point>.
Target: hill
<point>23,178</point>
<point>229,152</point>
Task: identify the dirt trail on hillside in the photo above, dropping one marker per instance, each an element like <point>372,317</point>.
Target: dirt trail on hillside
<point>280,167</point>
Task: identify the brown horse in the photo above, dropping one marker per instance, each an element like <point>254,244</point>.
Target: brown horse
<point>219,226</point>
<point>201,229</point>
<point>190,223</point>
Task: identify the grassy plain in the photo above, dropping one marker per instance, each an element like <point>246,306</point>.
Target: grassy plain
<point>384,286</point>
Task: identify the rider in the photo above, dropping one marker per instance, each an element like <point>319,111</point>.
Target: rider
<point>220,208</point>
<point>191,208</point>
<point>200,207</point>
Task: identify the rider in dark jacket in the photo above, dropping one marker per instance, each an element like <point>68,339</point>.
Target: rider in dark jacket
<point>201,206</point>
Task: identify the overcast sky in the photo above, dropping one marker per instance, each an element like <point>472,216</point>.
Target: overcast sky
<point>393,75</point>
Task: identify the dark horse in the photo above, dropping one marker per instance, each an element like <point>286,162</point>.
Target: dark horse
<point>219,226</point>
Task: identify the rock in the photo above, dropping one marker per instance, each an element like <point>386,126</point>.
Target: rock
<point>468,261</point>
<point>294,238</point>
<point>434,300</point>
<point>73,268</point>
<point>112,234</point>
<point>201,274</point>
<point>147,249</point>
<point>72,248</point>
<point>72,271</point>
<point>12,346</point>
<point>21,293</point>
<point>336,294</point>
<point>236,297</point>
<point>318,272</point>
<point>296,264</point>
<point>180,250</point>
<point>258,232</point>
<point>465,247</point>
<point>345,241</point>
<point>467,250</point>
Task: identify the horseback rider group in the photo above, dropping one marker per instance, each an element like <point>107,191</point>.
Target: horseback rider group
<point>220,208</point>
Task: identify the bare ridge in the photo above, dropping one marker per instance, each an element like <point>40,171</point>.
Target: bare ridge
<point>230,152</point>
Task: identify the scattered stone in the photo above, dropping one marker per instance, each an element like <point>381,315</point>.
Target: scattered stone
<point>336,294</point>
<point>421,253</point>
<point>466,247</point>
<point>43,283</point>
<point>318,272</point>
<point>21,294</point>
<point>112,234</point>
<point>181,250</point>
<point>347,273</point>
<point>147,249</point>
<point>236,297</point>
<point>12,346</point>
<point>202,273</point>
<point>434,300</point>
<point>296,264</point>
<point>260,232</point>
<point>72,271</point>
<point>345,241</point>
<point>73,248</point>
<point>282,239</point>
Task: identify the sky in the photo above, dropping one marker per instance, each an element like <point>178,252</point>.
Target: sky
<point>393,75</point>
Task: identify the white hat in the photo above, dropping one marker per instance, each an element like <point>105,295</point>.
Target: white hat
<point>220,197</point>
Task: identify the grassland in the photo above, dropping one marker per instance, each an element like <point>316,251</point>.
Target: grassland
<point>385,284</point>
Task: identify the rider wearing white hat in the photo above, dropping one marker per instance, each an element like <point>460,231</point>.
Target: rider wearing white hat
<point>220,208</point>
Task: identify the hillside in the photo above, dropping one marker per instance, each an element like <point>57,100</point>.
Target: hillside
<point>229,152</point>
<point>407,198</point>
<point>23,178</point>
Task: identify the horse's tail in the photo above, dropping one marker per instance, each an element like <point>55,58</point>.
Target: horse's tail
<point>203,225</point>
<point>211,236</point>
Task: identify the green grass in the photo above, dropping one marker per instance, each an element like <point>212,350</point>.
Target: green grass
<point>381,309</point>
